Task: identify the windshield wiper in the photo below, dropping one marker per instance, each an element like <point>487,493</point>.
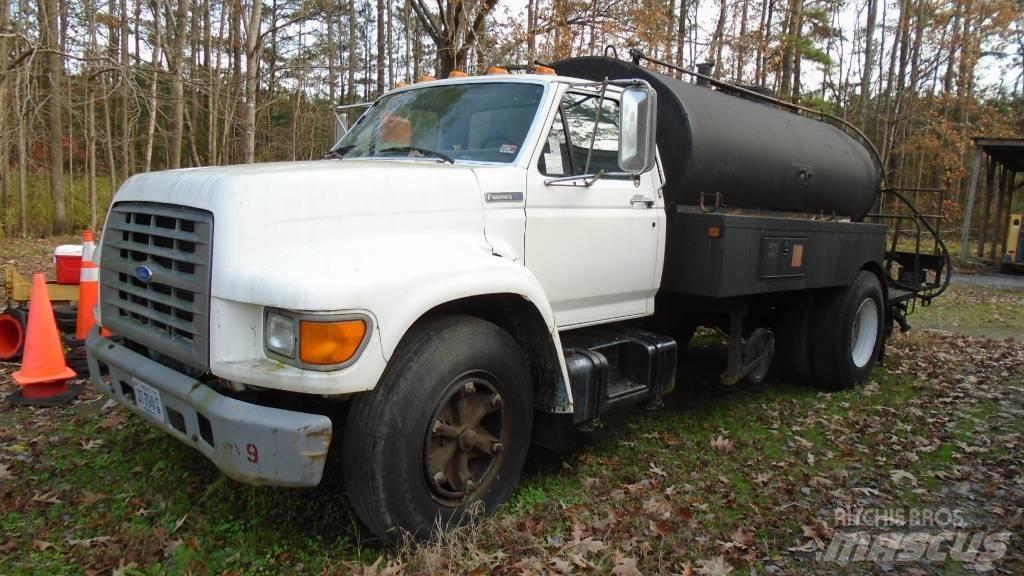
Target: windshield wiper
<point>422,151</point>
<point>338,153</point>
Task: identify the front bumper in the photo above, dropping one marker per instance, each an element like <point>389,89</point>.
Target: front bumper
<point>248,442</point>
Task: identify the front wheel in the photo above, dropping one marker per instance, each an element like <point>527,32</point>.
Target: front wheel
<point>445,433</point>
<point>848,334</point>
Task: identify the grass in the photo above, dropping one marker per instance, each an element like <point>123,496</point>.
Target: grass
<point>974,311</point>
<point>93,488</point>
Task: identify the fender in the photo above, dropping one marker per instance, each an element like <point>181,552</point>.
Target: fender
<point>395,279</point>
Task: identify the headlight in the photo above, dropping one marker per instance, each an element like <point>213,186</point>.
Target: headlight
<point>280,334</point>
<point>315,341</point>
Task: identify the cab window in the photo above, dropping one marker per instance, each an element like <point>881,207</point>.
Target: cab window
<point>568,143</point>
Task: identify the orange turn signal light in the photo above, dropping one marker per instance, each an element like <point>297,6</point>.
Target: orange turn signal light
<point>714,232</point>
<point>329,343</point>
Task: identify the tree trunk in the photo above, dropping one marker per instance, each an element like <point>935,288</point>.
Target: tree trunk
<point>54,65</point>
<point>718,38</point>
<point>381,47</point>
<point>6,194</point>
<point>127,161</point>
<point>23,152</point>
<point>869,55</point>
<point>176,60</point>
<point>153,102</point>
<point>741,50</point>
<point>252,65</point>
<point>789,49</point>
<point>353,53</point>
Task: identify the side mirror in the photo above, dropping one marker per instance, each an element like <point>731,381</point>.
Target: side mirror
<point>638,118</point>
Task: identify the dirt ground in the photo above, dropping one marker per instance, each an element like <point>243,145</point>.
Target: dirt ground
<point>920,471</point>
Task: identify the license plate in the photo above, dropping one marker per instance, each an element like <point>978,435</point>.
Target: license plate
<point>148,398</point>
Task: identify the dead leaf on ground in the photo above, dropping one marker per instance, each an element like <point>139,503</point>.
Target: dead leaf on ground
<point>723,444</point>
<point>626,567</point>
<point>41,544</point>
<point>717,566</point>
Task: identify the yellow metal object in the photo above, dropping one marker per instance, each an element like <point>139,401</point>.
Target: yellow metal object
<point>1013,237</point>
<point>18,289</point>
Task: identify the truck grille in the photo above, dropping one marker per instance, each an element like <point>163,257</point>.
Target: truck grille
<point>155,278</point>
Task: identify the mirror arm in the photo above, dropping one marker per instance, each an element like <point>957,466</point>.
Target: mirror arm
<point>588,179</point>
<point>597,119</point>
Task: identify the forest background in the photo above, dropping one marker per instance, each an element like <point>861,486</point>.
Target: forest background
<point>93,91</point>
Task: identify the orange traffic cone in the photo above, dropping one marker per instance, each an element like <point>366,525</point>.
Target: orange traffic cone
<point>88,296</point>
<point>44,376</point>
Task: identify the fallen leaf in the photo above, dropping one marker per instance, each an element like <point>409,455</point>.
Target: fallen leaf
<point>744,537</point>
<point>898,475</point>
<point>626,567</point>
<point>47,498</point>
<point>723,444</point>
<point>178,523</point>
<point>41,544</point>
<point>90,498</point>
<point>717,566</point>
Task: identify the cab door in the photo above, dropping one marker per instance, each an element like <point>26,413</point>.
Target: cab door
<point>594,249</point>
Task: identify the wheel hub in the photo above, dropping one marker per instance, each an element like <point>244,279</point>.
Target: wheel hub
<point>864,333</point>
<point>466,439</point>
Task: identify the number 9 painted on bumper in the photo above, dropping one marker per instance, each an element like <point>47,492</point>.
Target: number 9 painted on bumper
<point>248,442</point>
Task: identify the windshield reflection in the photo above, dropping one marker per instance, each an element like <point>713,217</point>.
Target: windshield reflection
<point>485,122</point>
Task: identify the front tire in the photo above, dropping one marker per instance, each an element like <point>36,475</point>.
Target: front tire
<point>848,334</point>
<point>445,433</point>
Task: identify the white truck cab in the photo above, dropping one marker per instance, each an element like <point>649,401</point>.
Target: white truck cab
<point>473,267</point>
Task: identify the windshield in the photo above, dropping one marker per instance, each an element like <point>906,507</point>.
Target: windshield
<point>473,121</point>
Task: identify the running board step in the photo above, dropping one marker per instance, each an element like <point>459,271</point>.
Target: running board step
<point>611,368</point>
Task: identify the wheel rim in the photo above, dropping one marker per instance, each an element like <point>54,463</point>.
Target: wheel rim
<point>865,333</point>
<point>466,439</point>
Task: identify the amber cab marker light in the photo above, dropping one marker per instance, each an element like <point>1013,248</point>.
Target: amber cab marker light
<point>425,78</point>
<point>714,232</point>
<point>457,74</point>
<point>496,70</point>
<point>329,343</point>
<point>545,70</point>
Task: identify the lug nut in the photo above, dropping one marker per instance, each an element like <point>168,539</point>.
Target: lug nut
<point>436,428</point>
<point>495,402</point>
<point>470,485</point>
<point>497,448</point>
<point>469,388</point>
<point>439,477</point>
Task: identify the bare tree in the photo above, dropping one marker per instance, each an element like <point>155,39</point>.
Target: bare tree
<point>54,71</point>
<point>454,27</point>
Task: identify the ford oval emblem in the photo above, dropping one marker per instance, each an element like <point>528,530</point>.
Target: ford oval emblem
<point>144,273</point>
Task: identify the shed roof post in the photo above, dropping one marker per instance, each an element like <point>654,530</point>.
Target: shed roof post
<point>972,188</point>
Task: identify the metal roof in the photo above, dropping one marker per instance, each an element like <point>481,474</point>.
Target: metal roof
<point>1007,151</point>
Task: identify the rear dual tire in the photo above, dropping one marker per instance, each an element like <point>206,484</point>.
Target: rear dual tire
<point>444,435</point>
<point>833,340</point>
<point>847,334</point>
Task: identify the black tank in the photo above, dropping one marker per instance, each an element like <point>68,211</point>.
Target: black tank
<point>754,154</point>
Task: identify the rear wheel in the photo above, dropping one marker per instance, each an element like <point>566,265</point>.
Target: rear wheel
<point>847,334</point>
<point>445,433</point>
<point>792,339</point>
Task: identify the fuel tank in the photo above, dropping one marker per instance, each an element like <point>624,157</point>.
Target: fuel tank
<point>740,152</point>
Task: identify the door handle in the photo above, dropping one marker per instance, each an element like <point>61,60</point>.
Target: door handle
<point>641,201</point>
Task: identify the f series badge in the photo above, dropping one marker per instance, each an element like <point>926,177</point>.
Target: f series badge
<point>503,197</point>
